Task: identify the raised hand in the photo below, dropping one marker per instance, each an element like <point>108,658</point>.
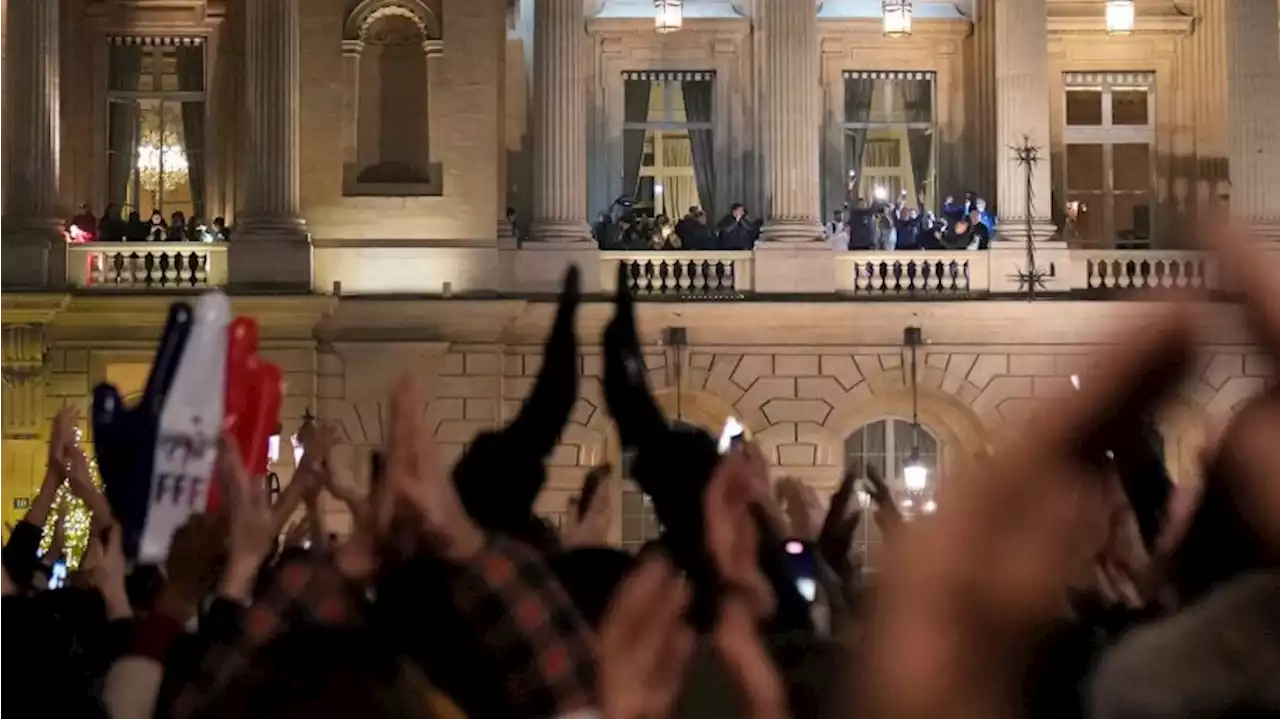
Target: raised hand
<point>588,526</point>
<point>414,475</point>
<point>645,644</point>
<point>733,540</point>
<point>801,505</point>
<point>839,527</point>
<point>251,536</point>
<point>108,573</point>
<point>965,595</point>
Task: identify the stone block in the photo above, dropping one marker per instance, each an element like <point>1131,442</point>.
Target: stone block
<point>1031,365</point>
<point>76,361</point>
<point>1223,367</point>
<point>796,455</point>
<point>842,368</point>
<point>988,367</point>
<point>329,363</point>
<point>512,365</point>
<point>451,364</point>
<point>592,365</point>
<point>68,385</point>
<point>751,403</point>
<point>482,364</point>
<point>796,365</point>
<point>1256,365</point>
<point>752,368</point>
<point>479,409</point>
<point>796,410</point>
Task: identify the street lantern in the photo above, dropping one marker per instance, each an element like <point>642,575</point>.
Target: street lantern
<point>1121,16</point>
<point>897,18</point>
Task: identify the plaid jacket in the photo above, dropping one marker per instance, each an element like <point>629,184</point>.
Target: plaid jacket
<point>528,622</point>
<point>542,644</point>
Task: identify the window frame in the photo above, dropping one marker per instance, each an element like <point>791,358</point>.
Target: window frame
<point>659,129</point>
<point>153,44</point>
<point>1108,135</point>
<point>931,125</point>
<point>865,540</point>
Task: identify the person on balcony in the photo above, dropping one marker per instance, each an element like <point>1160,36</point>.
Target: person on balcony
<point>979,232</point>
<point>885,234</point>
<point>737,231</point>
<point>110,226</point>
<point>135,230</point>
<point>178,228</point>
<point>908,227</point>
<point>837,232</point>
<point>683,226</point>
<point>697,235</point>
<point>158,230</point>
<point>862,231</point>
<point>663,236</point>
<point>221,233</point>
<point>85,224</point>
<point>958,236</point>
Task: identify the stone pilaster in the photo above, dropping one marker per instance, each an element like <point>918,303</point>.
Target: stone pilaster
<point>1021,47</point>
<point>33,242</point>
<point>22,348</point>
<point>272,248</point>
<point>1253,101</point>
<point>559,123</point>
<point>792,97</point>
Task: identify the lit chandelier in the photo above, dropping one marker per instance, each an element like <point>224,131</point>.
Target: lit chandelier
<point>668,15</point>
<point>1120,17</point>
<point>162,163</point>
<point>897,18</point>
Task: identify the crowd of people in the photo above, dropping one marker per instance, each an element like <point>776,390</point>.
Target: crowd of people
<point>881,226</point>
<point>1063,574</point>
<point>634,231</point>
<point>886,227</point>
<point>112,226</point>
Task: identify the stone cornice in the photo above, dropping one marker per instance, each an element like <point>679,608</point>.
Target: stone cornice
<point>638,27</point>
<point>141,317</point>
<point>157,17</point>
<point>32,308</point>
<point>872,30</point>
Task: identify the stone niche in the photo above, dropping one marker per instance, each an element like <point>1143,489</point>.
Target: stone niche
<point>389,48</point>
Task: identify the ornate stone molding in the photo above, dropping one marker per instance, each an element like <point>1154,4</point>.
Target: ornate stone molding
<point>370,11</point>
<point>23,350</point>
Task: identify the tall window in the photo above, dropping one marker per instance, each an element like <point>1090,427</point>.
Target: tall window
<point>886,445</point>
<point>1110,137</point>
<point>668,152</point>
<point>889,136</point>
<point>156,125</point>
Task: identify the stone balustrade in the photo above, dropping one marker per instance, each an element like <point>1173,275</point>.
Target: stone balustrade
<point>677,275</point>
<point>680,274</point>
<point>148,266</point>
<point>930,274</point>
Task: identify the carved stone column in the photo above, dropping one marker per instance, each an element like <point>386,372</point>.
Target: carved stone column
<point>34,247</point>
<point>559,123</point>
<point>22,349</point>
<point>793,112</point>
<point>1022,115</point>
<point>272,248</point>
<point>1253,103</point>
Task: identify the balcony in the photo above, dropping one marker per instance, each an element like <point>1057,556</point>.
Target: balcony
<point>146,266</point>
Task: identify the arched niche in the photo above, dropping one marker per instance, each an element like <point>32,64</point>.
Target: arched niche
<point>389,48</point>
<point>957,428</point>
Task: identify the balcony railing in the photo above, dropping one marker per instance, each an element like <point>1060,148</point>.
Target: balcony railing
<point>681,274</point>
<point>155,266</point>
<point>930,274</point>
<point>1146,269</point>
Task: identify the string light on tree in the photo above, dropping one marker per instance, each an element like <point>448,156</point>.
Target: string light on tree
<point>76,518</point>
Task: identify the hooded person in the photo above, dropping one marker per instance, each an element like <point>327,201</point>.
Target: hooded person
<point>673,465</point>
<point>501,474</point>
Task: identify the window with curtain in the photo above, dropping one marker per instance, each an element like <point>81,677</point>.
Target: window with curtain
<point>1110,135</point>
<point>886,445</point>
<point>889,131</point>
<point>156,125</point>
<point>668,150</point>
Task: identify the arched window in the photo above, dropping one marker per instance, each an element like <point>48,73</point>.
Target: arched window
<point>887,446</point>
<point>389,48</point>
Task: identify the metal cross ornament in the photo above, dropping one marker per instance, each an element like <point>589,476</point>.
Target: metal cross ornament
<point>1030,277</point>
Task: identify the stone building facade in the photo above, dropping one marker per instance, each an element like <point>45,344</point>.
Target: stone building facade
<point>366,150</point>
